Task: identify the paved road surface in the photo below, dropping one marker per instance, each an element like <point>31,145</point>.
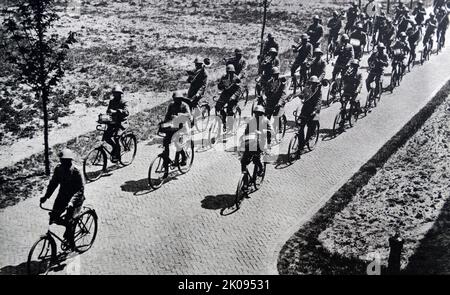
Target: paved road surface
<point>179,229</point>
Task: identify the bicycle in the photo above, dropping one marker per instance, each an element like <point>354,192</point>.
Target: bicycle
<point>426,52</point>
<point>348,112</point>
<point>249,184</point>
<point>440,41</point>
<point>397,69</point>
<point>311,142</point>
<point>95,162</point>
<point>374,95</point>
<point>43,253</point>
<point>331,47</point>
<point>156,171</point>
<point>335,88</point>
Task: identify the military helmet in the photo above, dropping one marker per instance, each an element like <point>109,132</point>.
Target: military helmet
<point>314,79</point>
<point>178,94</point>
<point>273,50</point>
<point>230,68</point>
<point>276,70</point>
<point>117,89</point>
<point>318,51</point>
<point>66,154</point>
<point>259,109</point>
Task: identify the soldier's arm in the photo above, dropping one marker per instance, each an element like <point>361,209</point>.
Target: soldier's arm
<point>52,185</point>
<point>79,186</point>
<point>204,83</point>
<point>124,110</point>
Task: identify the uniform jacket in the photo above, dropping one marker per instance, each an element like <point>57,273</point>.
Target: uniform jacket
<point>275,92</point>
<point>119,105</point>
<point>198,80</point>
<point>315,33</point>
<point>229,86</point>
<point>345,54</point>
<point>304,51</point>
<point>380,61</point>
<point>71,186</point>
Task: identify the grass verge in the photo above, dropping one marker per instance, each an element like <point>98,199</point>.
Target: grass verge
<point>303,253</point>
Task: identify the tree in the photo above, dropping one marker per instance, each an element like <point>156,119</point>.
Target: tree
<point>36,51</point>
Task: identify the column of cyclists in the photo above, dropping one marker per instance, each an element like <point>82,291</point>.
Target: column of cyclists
<point>387,40</point>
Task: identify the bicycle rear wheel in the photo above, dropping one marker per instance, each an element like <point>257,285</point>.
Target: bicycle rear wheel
<point>189,151</point>
<point>128,149</point>
<point>41,256</point>
<point>156,173</point>
<point>85,230</point>
<point>94,164</point>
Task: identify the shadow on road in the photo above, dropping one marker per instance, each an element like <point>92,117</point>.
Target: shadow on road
<point>136,187</point>
<point>21,269</point>
<point>218,201</point>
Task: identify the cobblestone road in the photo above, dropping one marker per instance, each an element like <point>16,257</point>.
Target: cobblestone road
<point>179,229</point>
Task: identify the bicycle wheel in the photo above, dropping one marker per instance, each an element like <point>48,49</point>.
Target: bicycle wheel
<point>236,119</point>
<point>41,256</point>
<point>293,150</point>
<point>94,164</point>
<point>314,138</point>
<point>214,131</point>
<point>128,149</point>
<point>240,192</point>
<point>282,122</point>
<point>258,178</point>
<point>331,93</point>
<point>85,230</point>
<point>189,151</point>
<point>156,173</point>
<point>202,121</point>
<point>337,125</point>
<point>394,78</point>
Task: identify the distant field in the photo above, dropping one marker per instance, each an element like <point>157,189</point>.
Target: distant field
<point>149,47</point>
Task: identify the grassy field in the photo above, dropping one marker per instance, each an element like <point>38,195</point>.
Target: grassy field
<point>144,48</point>
<point>149,48</point>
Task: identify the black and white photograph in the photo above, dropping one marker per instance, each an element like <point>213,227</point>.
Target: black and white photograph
<point>235,138</point>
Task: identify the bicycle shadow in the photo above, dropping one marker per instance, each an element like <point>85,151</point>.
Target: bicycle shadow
<point>22,268</point>
<point>141,187</point>
<point>328,134</point>
<point>226,203</point>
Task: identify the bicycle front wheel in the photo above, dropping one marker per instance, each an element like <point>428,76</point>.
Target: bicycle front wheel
<point>314,138</point>
<point>94,164</point>
<point>281,131</point>
<point>156,173</point>
<point>41,256</point>
<point>85,230</point>
<point>337,125</point>
<point>189,152</point>
<point>128,149</point>
<point>258,177</point>
<point>240,192</point>
<point>293,150</point>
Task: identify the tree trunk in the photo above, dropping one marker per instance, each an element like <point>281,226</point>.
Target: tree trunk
<point>46,146</point>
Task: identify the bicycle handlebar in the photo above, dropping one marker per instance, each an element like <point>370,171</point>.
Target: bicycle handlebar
<point>100,127</point>
<point>43,208</point>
